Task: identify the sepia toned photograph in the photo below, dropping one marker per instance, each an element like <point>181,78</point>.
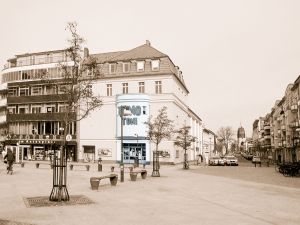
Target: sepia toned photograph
<point>149,112</point>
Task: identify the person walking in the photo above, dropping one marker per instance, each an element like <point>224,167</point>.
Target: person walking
<point>10,160</point>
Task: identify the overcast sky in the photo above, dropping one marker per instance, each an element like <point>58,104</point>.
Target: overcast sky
<point>237,56</point>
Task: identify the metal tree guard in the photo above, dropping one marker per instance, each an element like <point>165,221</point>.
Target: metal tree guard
<point>59,190</point>
<point>155,172</point>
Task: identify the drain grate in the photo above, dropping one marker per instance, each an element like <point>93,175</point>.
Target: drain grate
<point>43,201</point>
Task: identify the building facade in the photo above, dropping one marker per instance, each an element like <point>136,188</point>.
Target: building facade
<point>142,80</point>
<point>277,133</point>
<point>209,143</point>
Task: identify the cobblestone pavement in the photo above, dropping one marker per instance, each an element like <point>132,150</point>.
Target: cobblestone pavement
<point>202,195</point>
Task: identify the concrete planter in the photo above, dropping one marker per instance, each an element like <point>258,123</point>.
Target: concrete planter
<point>94,183</point>
<point>133,176</point>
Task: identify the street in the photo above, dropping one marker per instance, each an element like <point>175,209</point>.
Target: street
<point>202,195</point>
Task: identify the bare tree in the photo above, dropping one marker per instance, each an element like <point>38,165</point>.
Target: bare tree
<point>77,73</point>
<point>159,128</point>
<point>184,140</point>
<point>225,136</point>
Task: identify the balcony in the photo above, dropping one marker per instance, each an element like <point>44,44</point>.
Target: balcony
<point>283,127</point>
<point>294,108</point>
<point>36,99</point>
<point>38,117</point>
<point>267,127</point>
<point>267,137</point>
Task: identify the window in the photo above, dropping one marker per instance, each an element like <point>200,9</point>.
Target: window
<point>50,108</point>
<point>62,108</point>
<point>25,75</point>
<point>112,68</point>
<point>155,65</point>
<point>11,110</point>
<point>36,109</point>
<point>13,91</point>
<point>125,88</point>
<point>177,154</point>
<point>24,91</point>
<point>36,90</point>
<point>158,87</point>
<point>109,89</point>
<point>126,67</point>
<point>141,87</point>
<point>62,89</point>
<point>23,109</point>
<point>140,66</point>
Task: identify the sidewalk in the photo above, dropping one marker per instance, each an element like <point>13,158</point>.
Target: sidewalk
<point>177,197</point>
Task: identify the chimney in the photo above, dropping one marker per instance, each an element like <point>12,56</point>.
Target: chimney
<point>148,43</point>
<point>85,52</point>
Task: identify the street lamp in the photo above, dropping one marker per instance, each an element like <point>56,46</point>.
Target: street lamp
<point>123,112</point>
<point>137,150</point>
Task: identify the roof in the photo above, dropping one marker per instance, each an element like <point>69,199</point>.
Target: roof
<point>145,51</point>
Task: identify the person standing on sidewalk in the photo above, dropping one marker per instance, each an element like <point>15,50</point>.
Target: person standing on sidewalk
<point>10,160</point>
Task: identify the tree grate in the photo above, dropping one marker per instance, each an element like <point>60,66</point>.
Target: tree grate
<point>8,222</point>
<point>43,201</point>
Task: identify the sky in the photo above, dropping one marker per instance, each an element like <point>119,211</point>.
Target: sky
<point>237,56</point>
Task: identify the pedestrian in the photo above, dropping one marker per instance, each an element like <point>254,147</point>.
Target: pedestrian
<point>10,160</point>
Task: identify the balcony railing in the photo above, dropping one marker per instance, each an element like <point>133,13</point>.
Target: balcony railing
<point>38,117</point>
<point>36,99</point>
<point>294,108</point>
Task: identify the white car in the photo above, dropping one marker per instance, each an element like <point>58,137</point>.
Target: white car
<point>214,161</point>
<point>231,160</point>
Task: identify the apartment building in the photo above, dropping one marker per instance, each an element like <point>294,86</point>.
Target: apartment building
<point>278,132</point>
<point>142,80</point>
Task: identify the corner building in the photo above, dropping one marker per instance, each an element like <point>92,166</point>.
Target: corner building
<point>143,80</point>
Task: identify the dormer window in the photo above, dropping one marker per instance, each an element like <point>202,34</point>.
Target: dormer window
<point>112,68</point>
<point>140,65</point>
<point>126,67</point>
<point>155,65</point>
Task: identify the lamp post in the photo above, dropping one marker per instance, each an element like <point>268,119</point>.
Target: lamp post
<point>122,114</point>
<point>137,150</point>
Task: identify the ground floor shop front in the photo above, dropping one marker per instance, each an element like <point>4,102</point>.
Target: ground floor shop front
<point>40,152</point>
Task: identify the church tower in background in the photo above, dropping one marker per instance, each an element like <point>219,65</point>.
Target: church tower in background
<point>241,139</point>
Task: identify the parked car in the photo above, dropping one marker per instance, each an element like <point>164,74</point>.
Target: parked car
<point>221,161</point>
<point>214,161</point>
<point>231,160</point>
<point>256,159</point>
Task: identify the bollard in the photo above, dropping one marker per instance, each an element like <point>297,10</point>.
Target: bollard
<point>144,166</point>
<point>112,169</point>
<point>71,167</point>
<point>22,164</point>
<point>99,164</point>
<point>87,167</point>
<point>122,173</point>
<point>100,167</point>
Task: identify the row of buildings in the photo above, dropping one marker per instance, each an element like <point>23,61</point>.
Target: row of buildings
<point>142,79</point>
<point>276,135</point>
